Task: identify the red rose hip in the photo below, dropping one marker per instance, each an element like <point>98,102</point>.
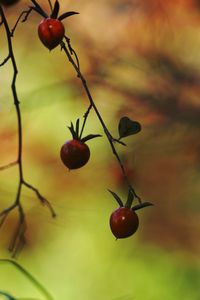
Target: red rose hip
<point>123,222</point>
<point>74,154</point>
<point>51,32</point>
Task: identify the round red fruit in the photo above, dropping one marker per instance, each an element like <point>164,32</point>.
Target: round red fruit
<point>51,32</point>
<point>8,2</point>
<point>123,222</point>
<point>74,154</point>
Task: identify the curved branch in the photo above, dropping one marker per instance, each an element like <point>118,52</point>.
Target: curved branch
<point>29,276</point>
<point>111,140</point>
<point>18,240</point>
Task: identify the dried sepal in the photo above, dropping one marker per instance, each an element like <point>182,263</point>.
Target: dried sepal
<point>67,14</point>
<point>77,127</point>
<point>117,198</point>
<point>130,198</point>
<point>55,11</point>
<point>39,9</point>
<point>89,137</point>
<point>141,205</point>
<point>73,132</point>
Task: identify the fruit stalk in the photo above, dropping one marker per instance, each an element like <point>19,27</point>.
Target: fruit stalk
<point>93,105</point>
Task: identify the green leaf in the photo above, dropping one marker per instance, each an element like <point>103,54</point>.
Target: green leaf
<point>128,127</point>
<point>142,205</point>
<point>89,137</point>
<point>119,201</point>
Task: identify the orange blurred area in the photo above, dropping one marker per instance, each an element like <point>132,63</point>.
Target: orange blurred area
<point>141,60</point>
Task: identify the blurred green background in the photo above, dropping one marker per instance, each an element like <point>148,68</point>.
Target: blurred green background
<point>141,59</point>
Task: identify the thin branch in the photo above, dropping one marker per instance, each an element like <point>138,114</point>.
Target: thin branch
<point>111,140</point>
<point>8,209</point>
<point>3,219</point>
<point>14,163</point>
<point>26,14</point>
<point>31,278</point>
<point>42,199</point>
<point>5,60</point>
<point>18,241</point>
<point>72,52</point>
<point>85,119</point>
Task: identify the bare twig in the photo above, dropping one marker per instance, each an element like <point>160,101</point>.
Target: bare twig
<point>12,164</point>
<point>72,52</point>
<point>26,14</point>
<point>85,119</point>
<point>18,239</point>
<point>5,60</point>
<point>43,200</point>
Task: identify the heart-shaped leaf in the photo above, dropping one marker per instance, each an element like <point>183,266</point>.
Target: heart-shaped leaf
<point>128,127</point>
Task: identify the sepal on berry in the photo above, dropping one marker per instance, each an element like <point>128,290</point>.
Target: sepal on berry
<point>130,198</point>
<point>74,133</point>
<point>89,137</point>
<point>77,136</point>
<point>39,9</point>
<point>117,198</point>
<point>141,205</point>
<point>55,11</point>
<point>67,14</point>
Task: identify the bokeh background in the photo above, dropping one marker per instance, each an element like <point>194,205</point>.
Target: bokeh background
<point>141,59</point>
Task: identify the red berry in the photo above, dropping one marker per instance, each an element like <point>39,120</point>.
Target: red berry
<point>123,222</point>
<point>8,2</point>
<point>74,154</point>
<point>51,32</point>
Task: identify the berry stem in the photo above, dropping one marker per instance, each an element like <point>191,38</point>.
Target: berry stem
<point>85,119</point>
<point>93,105</point>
